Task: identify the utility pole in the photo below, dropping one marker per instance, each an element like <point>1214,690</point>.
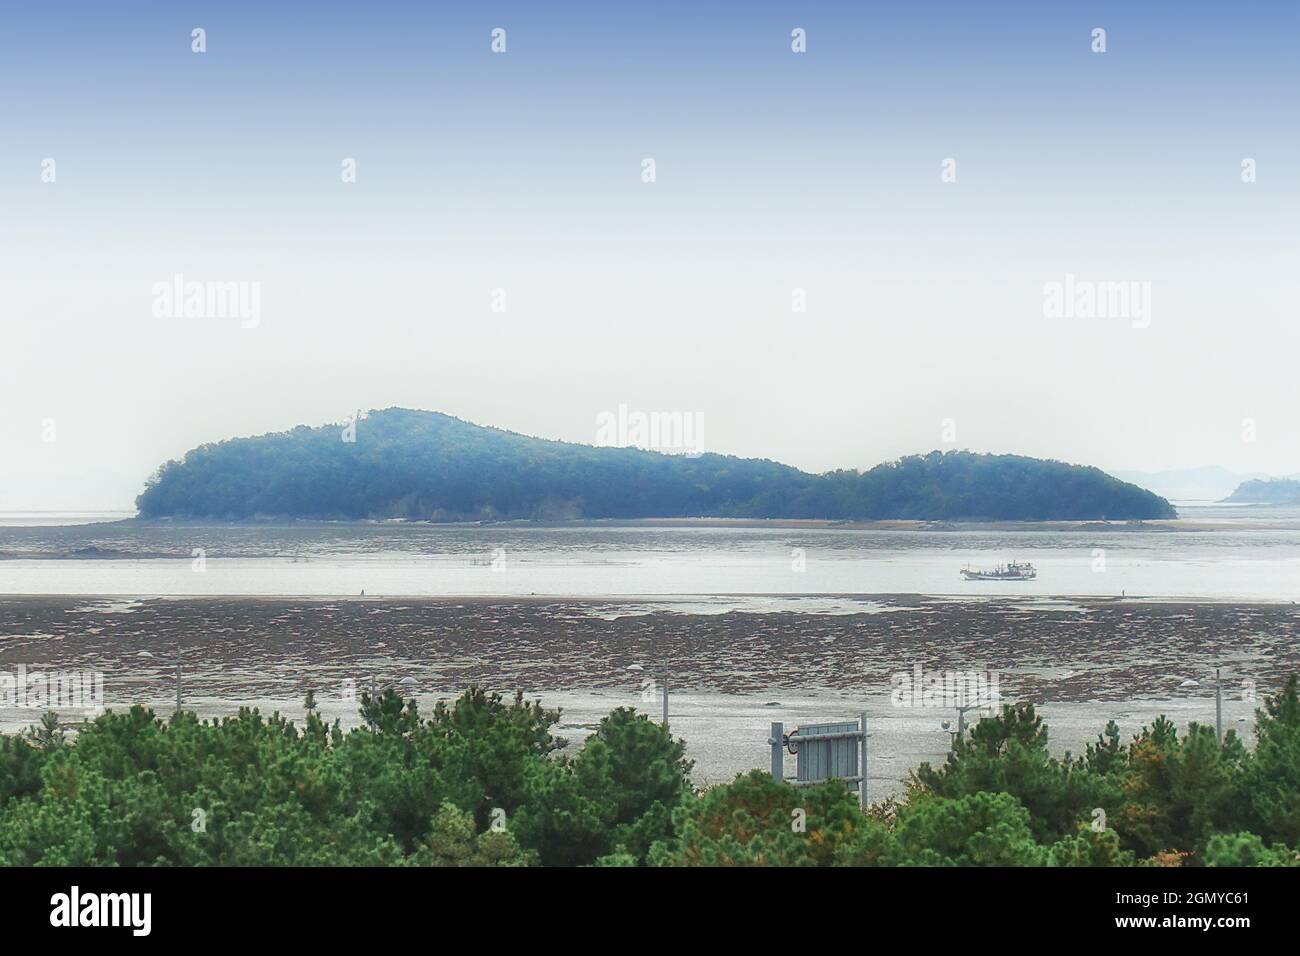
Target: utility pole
<point>665,696</point>
<point>178,681</point>
<point>1218,708</point>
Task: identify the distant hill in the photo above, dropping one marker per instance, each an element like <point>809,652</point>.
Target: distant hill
<point>425,465</point>
<point>1276,491</point>
<point>1207,483</point>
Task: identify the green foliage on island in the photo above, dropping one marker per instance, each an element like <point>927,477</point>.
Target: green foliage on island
<point>483,782</point>
<point>427,466</point>
<point>1272,491</point>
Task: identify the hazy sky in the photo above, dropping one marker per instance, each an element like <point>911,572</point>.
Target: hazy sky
<point>775,171</point>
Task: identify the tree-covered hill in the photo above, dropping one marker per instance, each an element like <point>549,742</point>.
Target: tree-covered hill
<point>424,465</point>
<point>1276,491</point>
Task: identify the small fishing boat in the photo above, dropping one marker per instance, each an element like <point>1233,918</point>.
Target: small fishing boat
<point>1003,572</point>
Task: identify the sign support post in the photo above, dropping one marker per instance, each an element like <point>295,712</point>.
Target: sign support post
<point>862,763</point>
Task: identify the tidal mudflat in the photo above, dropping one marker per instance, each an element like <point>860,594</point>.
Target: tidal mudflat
<point>730,671</point>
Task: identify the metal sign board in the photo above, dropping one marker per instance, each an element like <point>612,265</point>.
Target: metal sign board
<point>824,759</point>
<point>835,751</point>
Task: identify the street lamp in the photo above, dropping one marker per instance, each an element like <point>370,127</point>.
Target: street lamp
<point>961,722</point>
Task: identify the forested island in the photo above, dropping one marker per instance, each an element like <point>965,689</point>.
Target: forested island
<point>420,465</point>
<point>1275,491</point>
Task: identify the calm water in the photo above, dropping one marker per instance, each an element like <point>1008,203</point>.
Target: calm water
<point>45,519</point>
<point>1217,553</point>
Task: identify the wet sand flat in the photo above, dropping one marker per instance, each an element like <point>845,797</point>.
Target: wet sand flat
<point>730,673</point>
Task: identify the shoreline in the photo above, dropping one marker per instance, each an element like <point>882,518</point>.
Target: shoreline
<point>935,525</point>
<point>661,598</point>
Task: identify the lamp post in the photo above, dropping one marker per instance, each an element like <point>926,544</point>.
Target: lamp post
<point>960,733</point>
<point>648,688</point>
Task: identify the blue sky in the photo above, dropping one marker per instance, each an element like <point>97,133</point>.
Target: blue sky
<point>775,171</point>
